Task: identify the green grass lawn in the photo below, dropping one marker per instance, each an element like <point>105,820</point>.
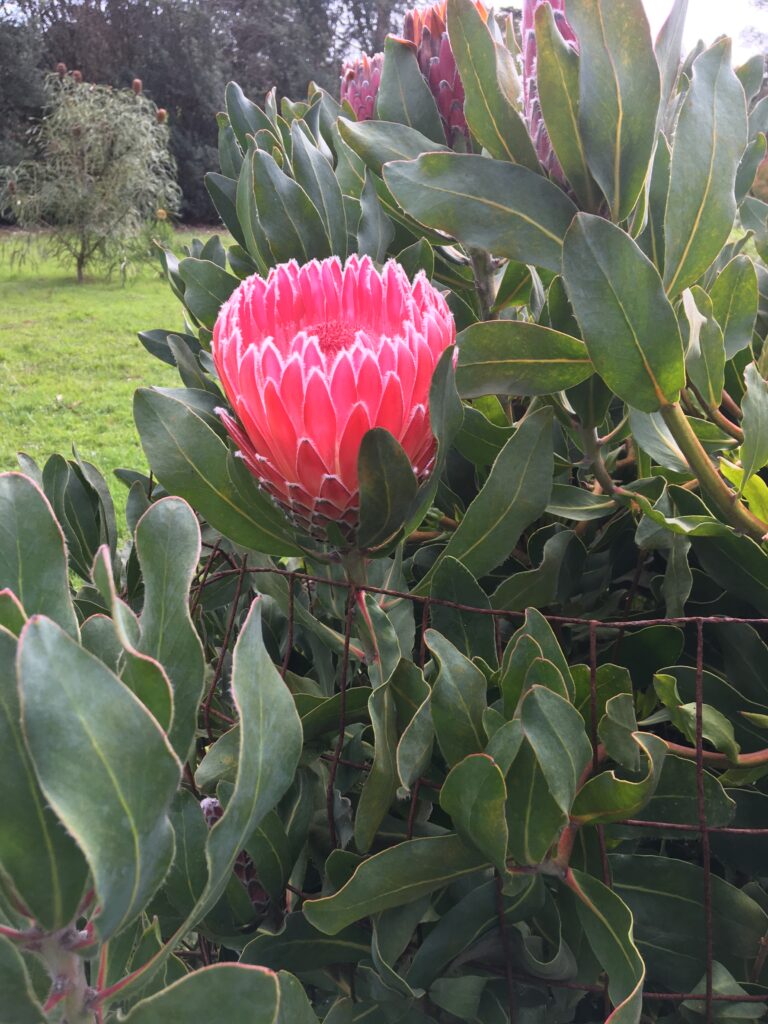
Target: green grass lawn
<point>70,362</point>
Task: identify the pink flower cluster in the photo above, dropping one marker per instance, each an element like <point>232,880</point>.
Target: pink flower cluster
<point>360,80</point>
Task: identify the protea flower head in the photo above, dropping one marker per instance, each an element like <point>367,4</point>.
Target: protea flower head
<point>360,80</point>
<point>425,27</point>
<point>533,114</point>
<point>315,356</point>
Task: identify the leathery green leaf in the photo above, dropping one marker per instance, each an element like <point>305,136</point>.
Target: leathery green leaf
<point>394,877</point>
<point>534,817</point>
<point>491,204</point>
<point>619,91</point>
<point>734,303</point>
<point>705,352</point>
<point>608,797</point>
<point>491,87</point>
<point>709,141</point>
<point>270,746</point>
<point>628,324</point>
<point>18,993</point>
<point>39,861</point>
<point>387,488</point>
<point>516,492</point>
<point>555,731</point>
<point>378,142</point>
<point>33,560</point>
<point>168,546</point>
<point>513,357</point>
<point>404,95</point>
<point>474,795</point>
<point>300,947</point>
<point>607,921</point>
<point>237,993</point>
<point>190,460</point>
<point>458,701</point>
<point>115,795</point>
<point>754,451</point>
<point>473,632</point>
<point>286,214</point>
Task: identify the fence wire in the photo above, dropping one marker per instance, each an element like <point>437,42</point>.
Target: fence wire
<point>422,605</point>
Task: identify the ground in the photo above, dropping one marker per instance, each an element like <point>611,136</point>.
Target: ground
<point>70,361</point>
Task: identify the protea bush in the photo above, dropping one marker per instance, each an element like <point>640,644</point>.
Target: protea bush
<point>427,677</point>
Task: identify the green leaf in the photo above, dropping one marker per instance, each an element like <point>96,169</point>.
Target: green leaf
<point>381,783</point>
<point>458,701</point>
<point>619,92</point>
<point>557,82</point>
<point>300,947</point>
<point>610,797</point>
<point>705,352</point>
<point>709,141</point>
<point>665,897</point>
<point>534,817</point>
<point>675,799</point>
<point>555,731</point>
<point>12,615</point>
<point>237,993</point>
<point>375,230</point>
<point>512,357</point>
<point>39,860</point>
<point>607,922</point>
<point>715,726</point>
<point>474,796</point>
<point>539,629</point>
<point>315,175</point>
<point>578,505</point>
<point>378,142</point>
<point>492,204</point>
<point>404,96</point>
<point>562,556</point>
<point>387,488</point>
<point>754,450</point>
<point>651,238</point>
<point>629,326</point>
<point>168,547</point>
<point>514,495</point>
<point>18,994</point>
<point>191,461</point>
<point>223,193</point>
<point>398,875</point>
<point>669,44</point>
<point>207,288</point>
<point>734,303</point>
<point>33,561</point>
<point>115,795</point>
<point>473,633</point>
<point>244,116</point>
<point>254,238</point>
<point>491,87</point>
<point>270,746</point>
<point>654,437</point>
<point>288,217</point>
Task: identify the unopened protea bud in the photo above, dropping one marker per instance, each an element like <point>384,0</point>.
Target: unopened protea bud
<point>61,69</point>
<point>425,27</point>
<point>136,85</point>
<point>77,77</point>
<point>162,115</point>
<point>360,80</point>
<point>533,114</point>
<point>244,867</point>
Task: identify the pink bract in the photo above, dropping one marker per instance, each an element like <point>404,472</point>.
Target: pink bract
<point>313,357</point>
<point>360,80</point>
<point>533,114</point>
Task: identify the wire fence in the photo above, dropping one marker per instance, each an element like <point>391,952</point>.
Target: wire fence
<point>589,631</point>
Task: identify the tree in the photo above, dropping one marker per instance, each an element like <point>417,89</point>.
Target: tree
<point>21,85</point>
<point>103,170</point>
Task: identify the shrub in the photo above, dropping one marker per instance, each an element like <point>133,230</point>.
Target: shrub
<point>471,727</point>
<point>102,172</point>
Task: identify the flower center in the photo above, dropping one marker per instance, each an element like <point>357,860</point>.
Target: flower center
<point>333,335</point>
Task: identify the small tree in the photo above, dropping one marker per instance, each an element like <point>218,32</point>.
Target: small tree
<point>103,170</point>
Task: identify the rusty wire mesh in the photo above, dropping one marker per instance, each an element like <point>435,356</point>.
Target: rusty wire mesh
<point>423,604</point>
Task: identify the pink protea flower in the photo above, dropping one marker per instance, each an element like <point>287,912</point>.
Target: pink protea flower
<point>313,357</point>
<point>425,27</point>
<point>533,114</point>
<point>360,80</point>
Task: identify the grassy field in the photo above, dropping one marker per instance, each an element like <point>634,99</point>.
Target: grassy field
<point>70,362</point>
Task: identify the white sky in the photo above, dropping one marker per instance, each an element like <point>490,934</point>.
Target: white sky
<point>708,19</point>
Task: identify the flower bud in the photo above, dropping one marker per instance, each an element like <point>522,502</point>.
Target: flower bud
<point>533,115</point>
<point>77,76</point>
<point>162,115</point>
<point>61,69</point>
<point>360,80</point>
<point>137,86</point>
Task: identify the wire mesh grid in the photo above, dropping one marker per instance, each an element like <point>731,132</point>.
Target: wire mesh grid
<point>422,605</point>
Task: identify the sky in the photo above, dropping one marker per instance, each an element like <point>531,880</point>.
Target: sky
<point>708,19</point>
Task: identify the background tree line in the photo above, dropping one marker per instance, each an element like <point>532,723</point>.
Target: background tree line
<point>185,51</point>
